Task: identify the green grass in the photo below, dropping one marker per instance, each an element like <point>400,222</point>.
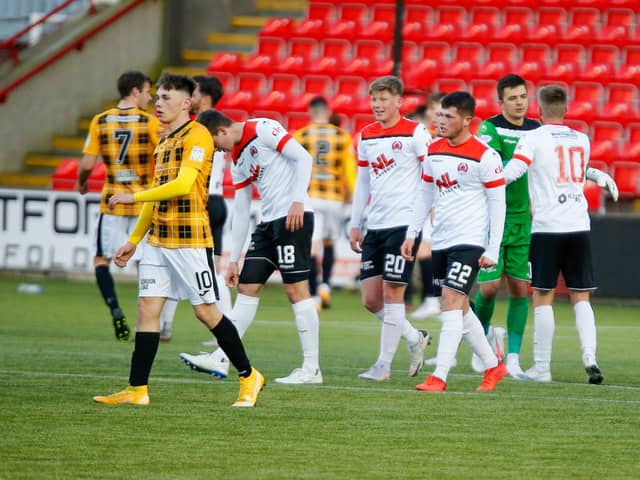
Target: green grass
<point>57,350</point>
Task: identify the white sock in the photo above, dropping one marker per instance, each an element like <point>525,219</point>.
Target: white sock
<point>450,337</point>
<point>513,359</point>
<point>308,325</point>
<point>224,304</point>
<point>242,315</point>
<point>473,335</point>
<point>409,332</point>
<point>544,326</point>
<point>391,332</point>
<point>586,325</point>
<point>167,314</point>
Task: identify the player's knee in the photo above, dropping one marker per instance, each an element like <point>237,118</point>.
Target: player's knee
<point>298,291</point>
<point>489,290</point>
<point>100,261</point>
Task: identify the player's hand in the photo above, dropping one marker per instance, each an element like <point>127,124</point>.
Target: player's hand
<point>233,275</point>
<point>355,239</point>
<point>406,249</point>
<point>609,184</point>
<point>295,217</point>
<point>486,262</point>
<point>124,254</point>
<point>118,198</point>
<point>84,188</point>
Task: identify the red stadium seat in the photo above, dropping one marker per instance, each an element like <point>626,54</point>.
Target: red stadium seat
<point>236,115</point>
<point>312,85</point>
<point>620,17</point>
<point>519,16</point>
<point>419,14</point>
<point>356,12</point>
<point>589,17</point>
<point>467,57</point>
<point>630,69</point>
<point>627,176</point>
<point>340,49</point>
<point>272,114</point>
<point>303,47</point>
<point>271,46</point>
<point>602,65</point>
<point>296,120</point>
<point>65,175</point>
<point>606,139</point>
<point>586,101</point>
<point>622,102</point>
<point>578,125</point>
<point>484,91</point>
<point>384,13</point>
<point>569,61</point>
<point>448,85</point>
<point>485,15</point>
<point>439,52</point>
<point>361,120</point>
<point>535,59</point>
<point>310,28</point>
<point>374,50</point>
<point>322,11</point>
<point>631,151</point>
<point>228,81</point>
<point>343,29</point>
<point>452,15</point>
<point>355,86</point>
<point>278,27</point>
<point>503,52</point>
<point>251,86</point>
<point>283,87</point>
<point>225,62</point>
<point>557,17</point>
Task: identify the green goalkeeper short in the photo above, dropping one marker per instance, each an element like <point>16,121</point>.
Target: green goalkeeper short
<point>514,255</point>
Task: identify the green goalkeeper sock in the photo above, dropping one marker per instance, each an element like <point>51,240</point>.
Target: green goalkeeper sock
<point>484,310</point>
<point>517,312</point>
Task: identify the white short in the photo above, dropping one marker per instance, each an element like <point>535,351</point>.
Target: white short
<point>177,273</point>
<point>113,232</point>
<point>328,219</point>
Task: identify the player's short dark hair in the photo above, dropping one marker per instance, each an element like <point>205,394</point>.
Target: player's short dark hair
<point>553,100</point>
<point>510,80</point>
<point>210,87</point>
<point>463,101</point>
<point>420,111</point>
<point>318,101</point>
<point>130,80</point>
<point>182,83</point>
<point>435,97</point>
<point>334,119</point>
<point>388,82</point>
<point>213,120</point>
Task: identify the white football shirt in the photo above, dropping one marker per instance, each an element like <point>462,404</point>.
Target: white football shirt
<point>217,174</point>
<point>257,159</point>
<point>393,157</point>
<point>557,157</point>
<point>460,175</point>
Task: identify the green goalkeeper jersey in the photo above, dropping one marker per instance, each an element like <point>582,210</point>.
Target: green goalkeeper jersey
<point>503,136</point>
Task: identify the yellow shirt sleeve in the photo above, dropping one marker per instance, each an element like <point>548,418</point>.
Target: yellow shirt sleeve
<point>143,224</point>
<point>177,187</point>
<point>92,143</point>
<point>197,147</point>
<point>154,130</point>
<point>349,164</point>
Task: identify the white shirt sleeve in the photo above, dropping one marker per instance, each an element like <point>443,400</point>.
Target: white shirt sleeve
<point>240,221</point>
<point>362,188</point>
<point>304,163</point>
<point>494,183</point>
<point>423,203</point>
<point>519,163</point>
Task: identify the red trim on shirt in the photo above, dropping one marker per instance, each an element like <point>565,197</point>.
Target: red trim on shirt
<point>519,156</point>
<point>282,142</point>
<point>495,183</point>
<point>243,184</point>
<point>363,163</point>
<point>421,158</point>
<point>427,178</point>
<point>472,148</point>
<point>248,134</point>
<point>403,128</point>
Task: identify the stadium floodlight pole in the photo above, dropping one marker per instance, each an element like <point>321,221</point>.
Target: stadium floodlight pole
<point>397,39</point>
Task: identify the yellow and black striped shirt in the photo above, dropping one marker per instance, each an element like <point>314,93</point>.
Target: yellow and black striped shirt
<point>334,167</point>
<point>183,222</point>
<point>126,139</point>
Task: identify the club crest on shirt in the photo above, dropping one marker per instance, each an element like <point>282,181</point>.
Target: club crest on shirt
<point>396,146</point>
<point>463,167</point>
<point>253,151</point>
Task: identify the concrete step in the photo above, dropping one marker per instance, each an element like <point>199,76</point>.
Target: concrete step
<point>190,71</point>
<point>247,21</point>
<point>66,144</point>
<point>232,39</point>
<point>45,160</point>
<point>203,56</point>
<point>24,180</point>
<point>282,7</point>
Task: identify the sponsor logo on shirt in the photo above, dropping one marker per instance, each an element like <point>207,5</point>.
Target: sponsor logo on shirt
<point>396,146</point>
<point>463,167</point>
<point>197,154</point>
<point>253,151</point>
<point>382,164</point>
<point>445,182</point>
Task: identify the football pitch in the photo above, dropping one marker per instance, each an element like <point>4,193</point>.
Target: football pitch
<point>57,350</point>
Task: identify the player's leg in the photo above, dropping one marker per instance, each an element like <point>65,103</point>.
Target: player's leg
<point>292,251</point>
<point>578,273</point>
<point>545,253</point>
<point>110,235</point>
<point>331,230</point>
<point>258,266</point>
<point>488,286</point>
<point>193,279</point>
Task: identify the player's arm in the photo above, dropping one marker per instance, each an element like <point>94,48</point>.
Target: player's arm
<point>521,160</point>
<point>124,253</point>
<point>604,180</point>
<point>360,198</point>
<point>90,152</point>
<point>239,229</point>
<point>488,134</point>
<point>494,184</point>
<point>424,203</point>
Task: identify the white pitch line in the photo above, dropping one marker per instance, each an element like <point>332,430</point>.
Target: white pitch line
<point>339,387</point>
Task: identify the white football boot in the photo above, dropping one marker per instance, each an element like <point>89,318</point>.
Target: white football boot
<point>416,352</point>
<point>215,364</point>
<point>300,376</point>
<point>377,373</point>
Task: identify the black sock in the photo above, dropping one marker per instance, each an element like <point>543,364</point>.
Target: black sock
<point>327,264</point>
<point>105,284</point>
<point>230,343</point>
<point>426,273</point>
<point>144,353</point>
<point>408,293</point>
<point>313,277</point>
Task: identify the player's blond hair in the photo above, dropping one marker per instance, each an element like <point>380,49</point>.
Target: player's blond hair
<point>553,101</point>
<point>390,83</point>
